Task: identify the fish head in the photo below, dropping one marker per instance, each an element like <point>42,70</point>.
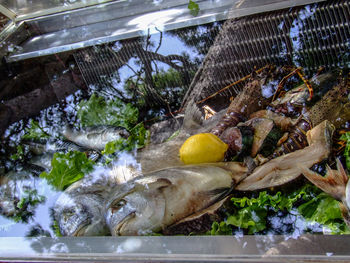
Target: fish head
<point>79,216</point>
<point>139,211</point>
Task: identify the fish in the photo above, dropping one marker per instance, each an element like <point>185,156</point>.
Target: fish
<point>40,147</point>
<point>335,183</point>
<point>95,137</point>
<point>284,169</point>
<point>43,161</point>
<point>79,210</point>
<point>157,200</point>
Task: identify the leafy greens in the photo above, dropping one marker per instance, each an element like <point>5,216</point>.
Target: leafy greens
<point>67,169</point>
<point>98,111</point>
<point>252,214</point>
<point>346,137</point>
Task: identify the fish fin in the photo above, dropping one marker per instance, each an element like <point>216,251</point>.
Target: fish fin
<point>238,170</point>
<point>219,191</point>
<point>160,183</point>
<point>209,210</point>
<point>193,118</point>
<point>345,213</point>
<point>334,183</point>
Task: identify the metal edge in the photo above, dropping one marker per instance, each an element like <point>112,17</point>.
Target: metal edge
<point>59,9</point>
<point>81,6</point>
<point>7,12</point>
<point>192,21</point>
<point>175,249</point>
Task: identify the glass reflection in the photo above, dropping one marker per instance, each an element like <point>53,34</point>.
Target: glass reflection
<point>121,89</point>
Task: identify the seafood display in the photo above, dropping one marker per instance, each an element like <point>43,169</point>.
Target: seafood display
<point>258,142</point>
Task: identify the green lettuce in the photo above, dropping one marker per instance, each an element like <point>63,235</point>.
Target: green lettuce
<point>346,137</point>
<point>252,214</point>
<point>137,139</point>
<point>35,132</point>
<point>67,168</point>
<point>26,206</point>
<point>324,210</point>
<point>98,111</point>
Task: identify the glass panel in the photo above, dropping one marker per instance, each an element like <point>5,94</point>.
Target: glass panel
<point>95,136</point>
<point>34,8</point>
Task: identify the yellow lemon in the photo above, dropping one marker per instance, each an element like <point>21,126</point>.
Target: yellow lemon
<point>203,148</point>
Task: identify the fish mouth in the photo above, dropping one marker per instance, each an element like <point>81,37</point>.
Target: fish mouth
<point>80,229</point>
<point>118,229</point>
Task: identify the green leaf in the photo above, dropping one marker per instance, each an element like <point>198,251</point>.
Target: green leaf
<point>252,213</point>
<point>220,229</point>
<point>252,218</point>
<point>325,210</point>
<point>35,132</point>
<point>346,137</point>
<point>193,7</point>
<point>137,139</point>
<point>56,229</point>
<point>19,155</point>
<point>30,198</point>
<point>174,135</point>
<point>98,111</point>
<point>67,169</point>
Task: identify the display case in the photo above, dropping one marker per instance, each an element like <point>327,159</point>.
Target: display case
<point>157,72</point>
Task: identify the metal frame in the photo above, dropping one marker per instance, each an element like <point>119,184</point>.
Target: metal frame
<point>118,20</point>
<point>311,248</point>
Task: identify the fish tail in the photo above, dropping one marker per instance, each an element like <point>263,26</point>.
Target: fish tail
<point>193,118</point>
<point>334,183</point>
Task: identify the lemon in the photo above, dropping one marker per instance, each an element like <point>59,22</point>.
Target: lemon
<point>203,148</point>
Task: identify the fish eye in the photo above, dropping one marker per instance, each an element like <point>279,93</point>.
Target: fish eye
<point>118,204</point>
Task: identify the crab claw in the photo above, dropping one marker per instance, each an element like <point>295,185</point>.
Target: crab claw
<point>336,184</point>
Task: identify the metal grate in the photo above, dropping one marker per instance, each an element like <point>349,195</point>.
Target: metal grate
<point>312,36</point>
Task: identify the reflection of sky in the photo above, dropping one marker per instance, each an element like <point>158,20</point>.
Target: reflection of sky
<point>170,46</point>
<point>296,32</point>
<point>9,228</point>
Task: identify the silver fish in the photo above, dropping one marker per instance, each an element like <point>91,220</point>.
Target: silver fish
<point>79,210</point>
<point>51,146</point>
<point>95,137</point>
<point>43,161</point>
<point>159,199</point>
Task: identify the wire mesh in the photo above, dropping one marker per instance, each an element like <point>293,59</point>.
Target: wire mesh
<point>311,37</point>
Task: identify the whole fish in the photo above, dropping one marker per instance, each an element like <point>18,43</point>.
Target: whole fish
<point>51,146</point>
<point>162,198</point>
<point>79,210</point>
<point>96,137</point>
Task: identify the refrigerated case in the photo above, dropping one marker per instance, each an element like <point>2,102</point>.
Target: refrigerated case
<point>308,34</point>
